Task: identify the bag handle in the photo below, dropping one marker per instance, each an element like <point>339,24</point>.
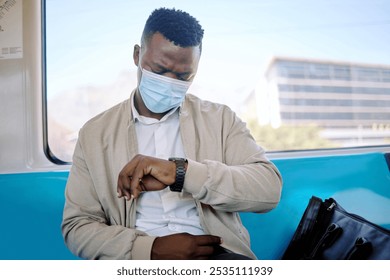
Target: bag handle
<point>361,249</point>
<point>331,234</point>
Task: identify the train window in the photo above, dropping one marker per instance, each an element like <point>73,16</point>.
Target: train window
<point>303,74</point>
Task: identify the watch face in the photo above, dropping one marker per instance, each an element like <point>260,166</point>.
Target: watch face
<point>177,159</point>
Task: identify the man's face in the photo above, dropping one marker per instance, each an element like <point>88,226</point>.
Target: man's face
<point>162,57</point>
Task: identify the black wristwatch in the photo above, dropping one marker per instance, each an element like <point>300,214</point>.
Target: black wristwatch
<point>180,174</point>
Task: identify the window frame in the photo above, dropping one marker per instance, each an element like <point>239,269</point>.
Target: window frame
<point>278,154</point>
<point>45,124</point>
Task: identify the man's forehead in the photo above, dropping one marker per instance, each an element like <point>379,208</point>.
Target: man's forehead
<point>158,40</point>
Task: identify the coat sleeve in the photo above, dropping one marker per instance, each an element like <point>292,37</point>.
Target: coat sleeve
<point>245,181</point>
<point>85,228</point>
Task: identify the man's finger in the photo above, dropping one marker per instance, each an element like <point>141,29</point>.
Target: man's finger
<point>204,240</point>
<point>123,187</point>
<point>205,251</point>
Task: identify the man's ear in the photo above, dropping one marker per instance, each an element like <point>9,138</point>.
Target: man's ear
<point>136,54</point>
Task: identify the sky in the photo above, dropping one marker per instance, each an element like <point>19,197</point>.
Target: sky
<point>91,41</point>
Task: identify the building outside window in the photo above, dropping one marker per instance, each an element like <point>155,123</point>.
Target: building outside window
<point>348,102</point>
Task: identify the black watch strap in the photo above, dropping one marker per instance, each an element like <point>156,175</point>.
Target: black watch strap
<point>180,174</point>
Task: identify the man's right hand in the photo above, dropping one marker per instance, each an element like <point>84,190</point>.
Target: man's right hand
<point>184,246</point>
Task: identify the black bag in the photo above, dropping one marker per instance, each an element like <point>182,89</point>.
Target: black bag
<point>328,232</point>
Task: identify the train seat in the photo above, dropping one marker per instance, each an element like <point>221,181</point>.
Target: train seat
<point>31,204</point>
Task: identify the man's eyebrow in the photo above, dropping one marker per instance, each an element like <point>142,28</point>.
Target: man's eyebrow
<point>159,66</point>
<point>163,69</point>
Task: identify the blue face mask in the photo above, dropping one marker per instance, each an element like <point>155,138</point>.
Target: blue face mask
<point>161,94</point>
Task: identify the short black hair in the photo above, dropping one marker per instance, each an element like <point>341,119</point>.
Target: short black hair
<point>177,26</point>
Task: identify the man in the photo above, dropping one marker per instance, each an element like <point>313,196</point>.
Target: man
<point>164,174</point>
